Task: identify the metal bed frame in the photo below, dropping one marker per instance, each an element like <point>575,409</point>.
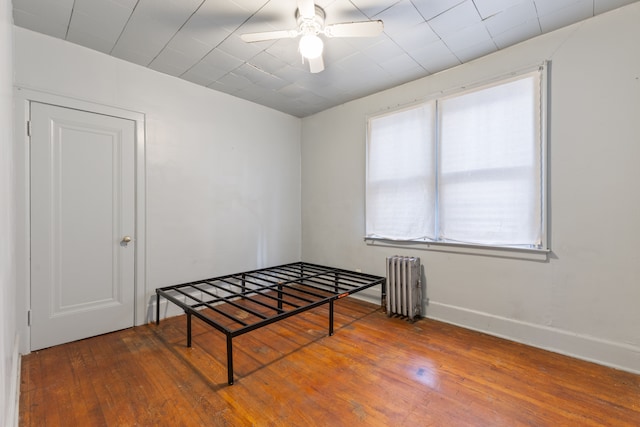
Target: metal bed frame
<point>239,303</point>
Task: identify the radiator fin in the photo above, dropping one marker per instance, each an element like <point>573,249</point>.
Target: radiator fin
<point>404,290</point>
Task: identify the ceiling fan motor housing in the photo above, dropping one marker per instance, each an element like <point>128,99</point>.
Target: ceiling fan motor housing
<point>311,25</point>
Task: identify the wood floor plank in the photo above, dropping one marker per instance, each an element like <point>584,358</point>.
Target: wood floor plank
<point>375,371</point>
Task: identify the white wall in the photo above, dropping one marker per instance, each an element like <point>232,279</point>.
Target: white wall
<point>8,351</point>
<point>584,298</point>
<point>223,174</point>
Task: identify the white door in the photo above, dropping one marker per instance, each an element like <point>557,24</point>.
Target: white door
<point>82,224</point>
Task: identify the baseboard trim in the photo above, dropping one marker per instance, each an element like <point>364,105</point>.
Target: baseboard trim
<point>617,355</point>
<point>14,389</point>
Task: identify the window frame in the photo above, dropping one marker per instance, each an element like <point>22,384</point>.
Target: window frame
<point>424,243</point>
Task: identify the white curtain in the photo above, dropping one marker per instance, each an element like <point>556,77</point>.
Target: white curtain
<point>400,193</point>
<point>489,177</point>
<point>465,168</point>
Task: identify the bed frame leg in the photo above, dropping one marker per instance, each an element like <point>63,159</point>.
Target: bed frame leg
<point>229,360</point>
<point>330,317</point>
<point>157,309</point>
<point>188,330</point>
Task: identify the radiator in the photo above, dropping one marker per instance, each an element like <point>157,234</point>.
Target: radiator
<point>404,290</point>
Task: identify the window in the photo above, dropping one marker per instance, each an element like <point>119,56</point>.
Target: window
<point>466,168</point>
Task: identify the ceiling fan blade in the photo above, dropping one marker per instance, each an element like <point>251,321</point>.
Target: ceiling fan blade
<point>355,29</point>
<point>316,64</point>
<point>307,9</point>
<point>269,35</point>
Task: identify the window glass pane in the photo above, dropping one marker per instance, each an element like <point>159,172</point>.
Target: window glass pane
<point>489,179</point>
<point>400,194</point>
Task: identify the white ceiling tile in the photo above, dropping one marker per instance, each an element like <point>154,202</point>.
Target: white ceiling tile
<point>312,98</point>
<point>545,7</point>
<point>271,82</point>
<point>169,12</point>
<point>435,57</point>
<point>110,10</point>
<point>240,49</point>
<point>204,74</point>
<point>384,51</point>
<point>224,15</point>
<point>287,50</point>
<point>357,64</point>
<point>402,76</point>
<point>58,11</point>
<point>152,25</point>
<point>40,24</point>
<point>572,13</point>
<point>293,74</point>
<point>475,51</point>
<point>126,3</point>
<point>274,16</point>
<point>255,92</point>
<point>362,43</point>
<point>51,17</point>
<point>360,84</point>
<point>90,40</point>
<point>234,81</point>
<point>403,69</point>
<point>133,55</point>
<point>415,37</point>
<point>222,60</point>
<point>292,91</point>
<point>512,17</point>
<point>191,48</point>
<point>431,8</point>
<point>467,37</point>
<point>97,24</point>
<point>267,62</point>
<point>167,67</point>
<point>601,6</point>
<point>141,41</point>
<point>457,18</point>
<point>333,93</point>
<point>399,17</point>
<point>250,5</point>
<point>401,64</point>
<point>221,87</point>
<point>316,82</point>
<point>517,34</point>
<point>172,62</point>
<point>489,8</point>
<point>336,49</point>
<point>254,74</point>
<point>201,26</point>
<point>343,11</point>
<point>372,8</point>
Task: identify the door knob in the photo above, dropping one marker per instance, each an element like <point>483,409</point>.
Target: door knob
<point>126,239</point>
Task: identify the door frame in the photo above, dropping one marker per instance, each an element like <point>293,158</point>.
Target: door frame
<point>22,100</point>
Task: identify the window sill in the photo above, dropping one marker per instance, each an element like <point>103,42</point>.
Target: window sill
<point>532,254</point>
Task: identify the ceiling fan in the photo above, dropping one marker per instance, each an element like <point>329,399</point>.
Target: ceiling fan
<point>310,19</point>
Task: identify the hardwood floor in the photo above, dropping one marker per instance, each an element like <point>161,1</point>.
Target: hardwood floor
<point>374,371</point>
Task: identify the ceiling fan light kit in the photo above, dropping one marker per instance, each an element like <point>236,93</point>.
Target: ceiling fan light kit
<point>311,46</point>
<point>310,18</point>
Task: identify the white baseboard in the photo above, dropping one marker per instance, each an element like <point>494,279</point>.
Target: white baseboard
<point>613,354</point>
<point>14,390</point>
<point>167,309</point>
<point>371,295</point>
